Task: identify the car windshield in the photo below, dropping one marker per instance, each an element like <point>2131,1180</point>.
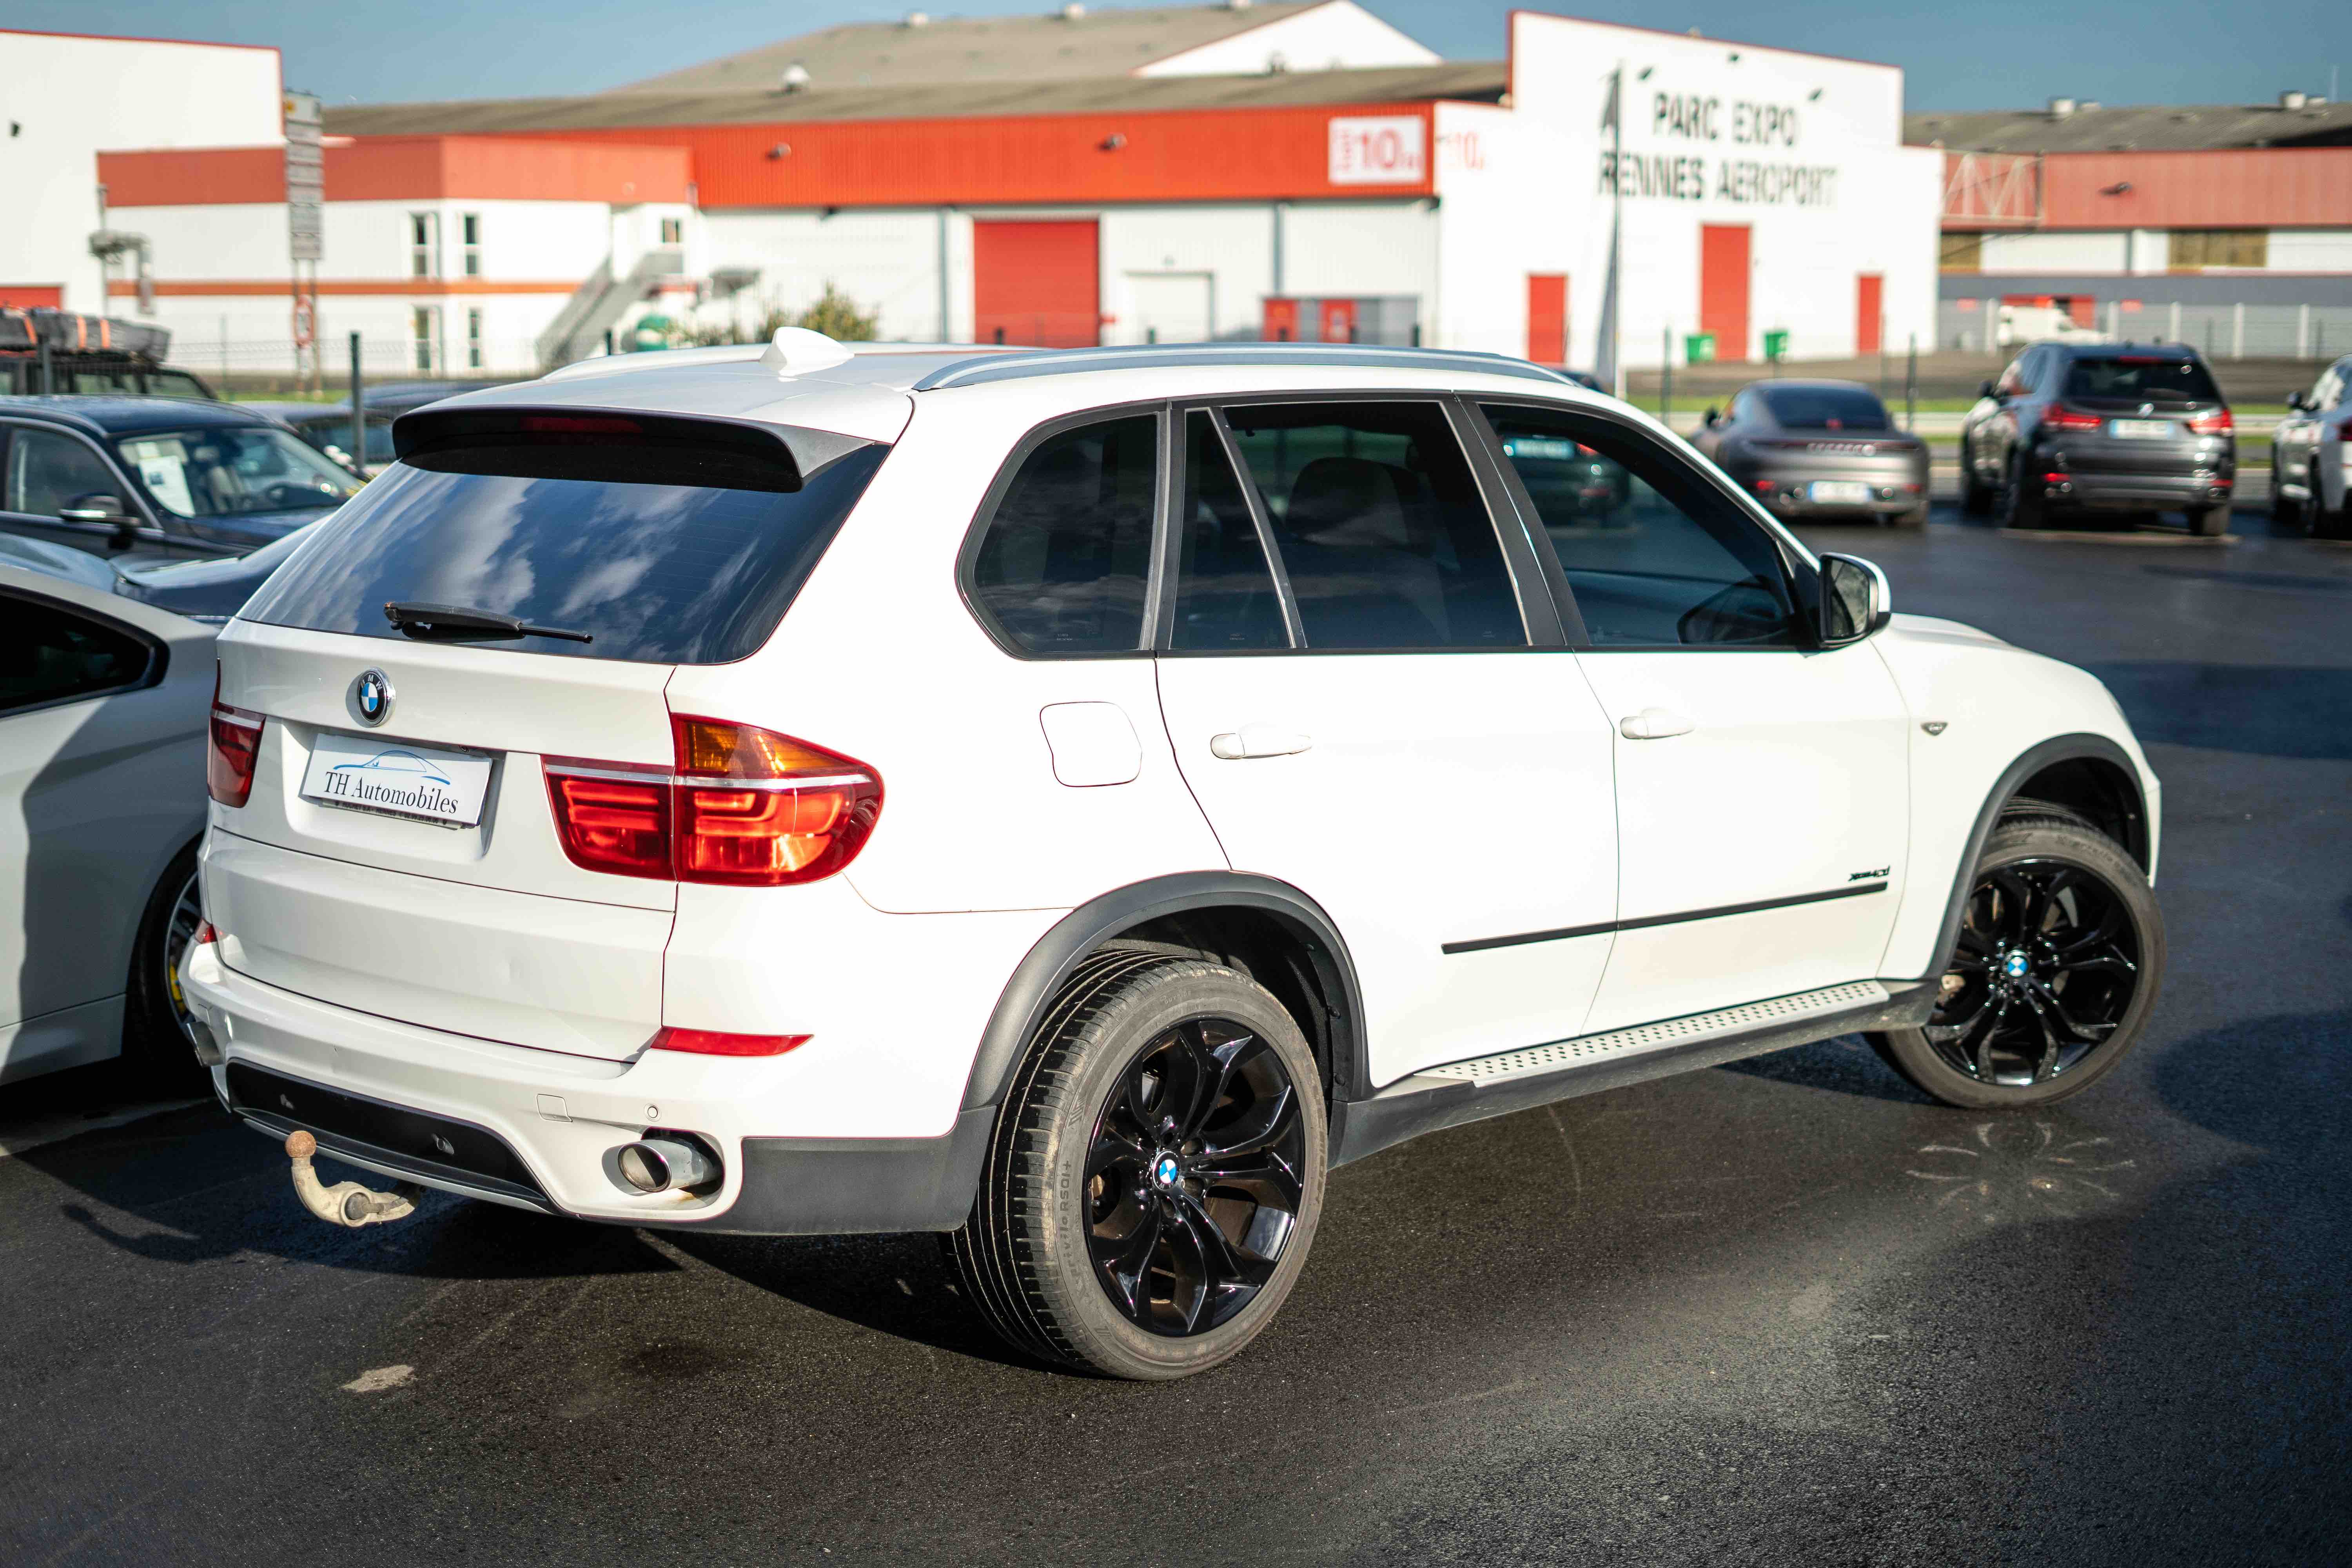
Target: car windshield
<point>332,434</point>
<point>235,471</point>
<point>1825,408</point>
<point>2143,376</point>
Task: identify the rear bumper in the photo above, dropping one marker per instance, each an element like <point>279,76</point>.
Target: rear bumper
<point>2091,491</point>
<point>1897,485</point>
<point>378,1093</point>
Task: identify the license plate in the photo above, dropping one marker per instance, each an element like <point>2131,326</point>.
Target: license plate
<point>398,778</point>
<point>2141,429</point>
<point>1838,493</point>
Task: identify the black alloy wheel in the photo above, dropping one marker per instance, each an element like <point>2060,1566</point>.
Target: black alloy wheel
<point>1153,1182</point>
<point>2022,504</point>
<point>159,1034</point>
<point>1193,1181</point>
<point>1976,496</point>
<point>2057,964</point>
<point>2317,518</point>
<point>179,934</point>
<point>2045,969</point>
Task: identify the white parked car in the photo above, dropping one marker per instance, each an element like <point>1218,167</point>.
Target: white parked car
<point>2311,456</point>
<point>1073,800</point>
<point>103,704</point>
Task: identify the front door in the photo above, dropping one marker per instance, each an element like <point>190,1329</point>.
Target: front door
<point>1761,782</point>
<point>1357,702</point>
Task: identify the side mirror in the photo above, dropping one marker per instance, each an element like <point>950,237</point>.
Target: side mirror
<point>1713,417</point>
<point>1856,600</point>
<point>96,507</point>
<point>1987,390</point>
<point>2297,402</point>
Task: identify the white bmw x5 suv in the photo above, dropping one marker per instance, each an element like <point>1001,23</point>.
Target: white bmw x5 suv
<point>1072,801</point>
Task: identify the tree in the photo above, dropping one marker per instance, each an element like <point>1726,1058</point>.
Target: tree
<point>835,314</point>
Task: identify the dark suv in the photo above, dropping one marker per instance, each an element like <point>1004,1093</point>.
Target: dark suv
<point>157,479</point>
<point>2114,427</point>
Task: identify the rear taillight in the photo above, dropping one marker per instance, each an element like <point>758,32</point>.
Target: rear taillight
<point>719,1043</point>
<point>745,806</point>
<point>2217,422</point>
<point>207,935</point>
<point>610,817</point>
<point>759,809</point>
<point>236,746</point>
<point>2071,419</point>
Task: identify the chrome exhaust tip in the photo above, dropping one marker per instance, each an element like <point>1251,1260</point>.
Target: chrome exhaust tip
<point>668,1165</point>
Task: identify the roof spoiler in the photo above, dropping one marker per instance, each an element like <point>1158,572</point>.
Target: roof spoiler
<point>615,445</point>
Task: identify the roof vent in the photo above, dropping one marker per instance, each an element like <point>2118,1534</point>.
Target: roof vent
<point>2294,100</point>
<point>795,78</point>
<point>1074,11</point>
<point>1239,4</point>
<point>2059,108</point>
<point>796,351</point>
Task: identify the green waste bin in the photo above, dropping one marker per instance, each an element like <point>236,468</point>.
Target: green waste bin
<point>1698,348</point>
<point>1776,346</point>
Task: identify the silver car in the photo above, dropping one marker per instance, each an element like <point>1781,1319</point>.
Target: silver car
<point>103,708</point>
<point>1819,448</point>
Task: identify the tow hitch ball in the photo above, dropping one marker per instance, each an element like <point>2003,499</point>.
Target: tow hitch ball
<point>346,1203</point>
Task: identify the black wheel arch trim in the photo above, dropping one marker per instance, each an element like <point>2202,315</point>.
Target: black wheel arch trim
<point>2048,753</point>
<point>1051,960</point>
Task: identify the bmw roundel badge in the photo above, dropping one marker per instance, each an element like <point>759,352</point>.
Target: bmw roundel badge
<point>372,696</point>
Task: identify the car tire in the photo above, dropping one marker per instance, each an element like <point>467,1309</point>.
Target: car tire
<point>2052,894</point>
<point>157,1043</point>
<point>1164,1130</point>
<point>2019,510</point>
<point>2209,522</point>
<point>1976,496</point>
<point>2282,510</point>
<point>2323,521</point>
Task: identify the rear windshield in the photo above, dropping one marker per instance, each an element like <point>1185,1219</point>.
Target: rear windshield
<point>1824,408</point>
<point>652,572</point>
<point>2144,377</point>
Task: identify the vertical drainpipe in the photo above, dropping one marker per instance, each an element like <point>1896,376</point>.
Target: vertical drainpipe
<point>947,320</point>
<point>1281,211</point>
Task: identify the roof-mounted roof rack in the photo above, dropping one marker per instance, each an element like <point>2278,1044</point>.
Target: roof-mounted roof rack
<point>1011,364</point>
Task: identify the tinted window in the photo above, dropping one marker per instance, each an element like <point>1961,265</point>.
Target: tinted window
<point>1656,557</point>
<point>47,469</point>
<point>1225,598</point>
<point>660,573</point>
<point>2143,376</point>
<point>51,655</point>
<point>175,383</point>
<point>1382,530</point>
<point>1825,408</point>
<point>1062,566</point>
<point>234,471</point>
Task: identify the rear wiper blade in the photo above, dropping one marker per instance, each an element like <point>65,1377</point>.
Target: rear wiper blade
<point>455,621</point>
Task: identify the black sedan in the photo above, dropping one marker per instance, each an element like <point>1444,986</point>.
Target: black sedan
<point>1824,449</point>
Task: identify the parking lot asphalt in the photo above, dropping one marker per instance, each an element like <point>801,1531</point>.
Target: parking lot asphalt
<point>1786,1311</point>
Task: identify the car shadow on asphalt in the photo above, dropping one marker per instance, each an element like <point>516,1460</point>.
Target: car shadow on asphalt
<point>1846,1064</point>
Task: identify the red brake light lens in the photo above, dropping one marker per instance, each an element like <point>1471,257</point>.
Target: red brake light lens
<point>717,1043</point>
<point>207,935</point>
<point>236,747</point>
<point>612,819</point>
<point>745,808</point>
<point>787,812</point>
<point>2071,419</point>
<point>2218,422</point>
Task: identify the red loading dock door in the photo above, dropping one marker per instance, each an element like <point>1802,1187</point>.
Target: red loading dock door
<point>1723,287</point>
<point>1038,283</point>
<point>27,296</point>
<point>1869,312</point>
<point>1548,318</point>
<point>1339,320</point>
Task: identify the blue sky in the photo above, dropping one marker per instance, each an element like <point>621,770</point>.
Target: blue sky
<point>1990,54</point>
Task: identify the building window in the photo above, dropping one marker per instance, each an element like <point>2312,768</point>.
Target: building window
<point>473,340</point>
<point>2196,248</point>
<point>469,225</point>
<point>1962,253</point>
<point>672,230</point>
<point>425,245</point>
<point>425,332</point>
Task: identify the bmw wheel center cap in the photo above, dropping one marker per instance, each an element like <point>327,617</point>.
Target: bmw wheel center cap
<point>372,696</point>
<point>2016,966</point>
<point>1164,1170</point>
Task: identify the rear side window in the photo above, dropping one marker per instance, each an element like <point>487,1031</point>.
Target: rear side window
<point>1225,598</point>
<point>48,654</point>
<point>50,470</point>
<point>658,555</point>
<point>1062,566</point>
<point>1825,408</point>
<point>2147,377</point>
<point>1380,526</point>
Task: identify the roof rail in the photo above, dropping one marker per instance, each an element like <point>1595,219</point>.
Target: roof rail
<point>1025,364</point>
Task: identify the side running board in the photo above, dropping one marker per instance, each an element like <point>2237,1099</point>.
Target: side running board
<point>1473,1090</point>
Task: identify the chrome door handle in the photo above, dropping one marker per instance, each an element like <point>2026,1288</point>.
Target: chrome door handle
<point>1258,741</point>
<point>1653,724</point>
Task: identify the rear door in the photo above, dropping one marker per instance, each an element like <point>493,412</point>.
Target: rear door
<point>399,852</point>
<point>1762,783</point>
<point>1363,682</point>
